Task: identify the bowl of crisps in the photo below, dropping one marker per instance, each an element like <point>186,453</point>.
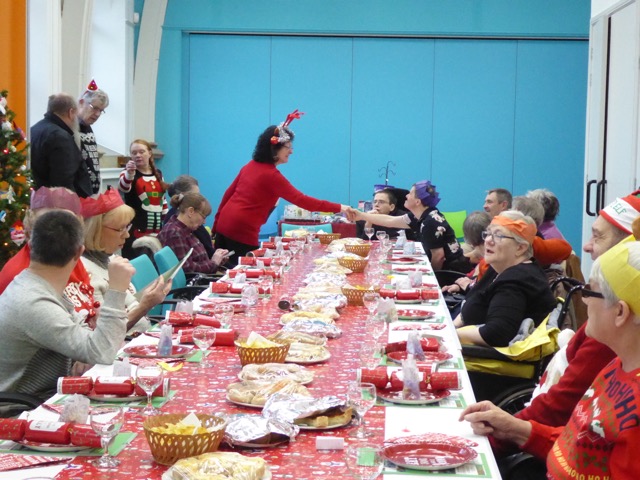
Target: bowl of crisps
<point>257,349</point>
<point>361,249</point>
<point>356,265</point>
<point>355,293</point>
<point>170,440</point>
<point>327,238</point>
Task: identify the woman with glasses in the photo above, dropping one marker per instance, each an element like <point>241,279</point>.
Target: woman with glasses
<point>107,227</point>
<point>178,233</point>
<point>514,287</point>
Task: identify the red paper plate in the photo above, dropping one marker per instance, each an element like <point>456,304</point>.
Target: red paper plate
<point>152,351</point>
<point>426,397</point>
<point>409,269</point>
<point>430,357</point>
<point>406,260</point>
<point>414,314</point>
<point>429,455</point>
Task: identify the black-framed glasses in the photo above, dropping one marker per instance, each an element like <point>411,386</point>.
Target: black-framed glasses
<point>588,293</point>
<point>119,230</point>
<point>96,109</point>
<point>496,236</point>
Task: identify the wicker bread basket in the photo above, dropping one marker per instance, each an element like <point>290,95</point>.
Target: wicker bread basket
<point>361,249</point>
<point>354,295</point>
<point>327,238</point>
<point>261,355</point>
<point>168,448</point>
<point>356,265</point>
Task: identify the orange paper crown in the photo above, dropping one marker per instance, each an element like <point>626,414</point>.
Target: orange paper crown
<point>104,203</point>
<point>519,227</point>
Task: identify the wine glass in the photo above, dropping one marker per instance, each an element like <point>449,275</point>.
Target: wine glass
<point>106,422</point>
<point>364,461</point>
<point>277,265</point>
<point>368,352</point>
<point>149,378</point>
<point>203,337</point>
<point>224,314</point>
<point>369,231</point>
<point>361,396</point>
<point>370,300</point>
<point>266,282</point>
<point>249,298</point>
<point>381,235</point>
<point>377,325</point>
<point>294,247</point>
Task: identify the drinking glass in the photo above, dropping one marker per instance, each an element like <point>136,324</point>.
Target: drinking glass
<point>294,247</point>
<point>224,314</point>
<point>370,300</point>
<point>266,282</point>
<point>361,396</point>
<point>106,422</point>
<point>277,266</point>
<point>249,299</point>
<point>381,235</point>
<point>364,461</point>
<point>204,337</point>
<point>369,231</point>
<point>368,352</point>
<point>149,378</point>
<point>377,325</point>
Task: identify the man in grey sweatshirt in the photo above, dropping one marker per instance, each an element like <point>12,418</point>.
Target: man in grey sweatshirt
<point>41,335</point>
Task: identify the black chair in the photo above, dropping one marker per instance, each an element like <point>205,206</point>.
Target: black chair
<point>447,277</point>
<point>12,404</point>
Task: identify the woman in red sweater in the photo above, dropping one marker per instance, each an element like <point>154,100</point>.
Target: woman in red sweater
<point>251,197</point>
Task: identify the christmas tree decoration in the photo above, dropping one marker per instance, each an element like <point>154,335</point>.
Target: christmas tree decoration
<point>15,182</point>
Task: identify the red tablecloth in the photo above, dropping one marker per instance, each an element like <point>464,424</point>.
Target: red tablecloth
<point>204,390</point>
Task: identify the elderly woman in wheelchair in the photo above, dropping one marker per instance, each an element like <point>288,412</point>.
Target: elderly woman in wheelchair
<point>601,437</point>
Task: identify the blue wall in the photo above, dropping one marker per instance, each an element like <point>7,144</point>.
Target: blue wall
<point>492,113</point>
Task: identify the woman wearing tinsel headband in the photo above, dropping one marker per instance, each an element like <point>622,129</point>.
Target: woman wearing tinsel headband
<point>251,197</point>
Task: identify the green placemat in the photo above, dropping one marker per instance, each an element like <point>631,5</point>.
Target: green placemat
<point>115,447</point>
<point>156,401</point>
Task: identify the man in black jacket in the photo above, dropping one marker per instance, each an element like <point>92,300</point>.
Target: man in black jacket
<point>56,160</point>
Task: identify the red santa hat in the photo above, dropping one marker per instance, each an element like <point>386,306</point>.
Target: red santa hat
<point>102,204</point>
<point>623,211</point>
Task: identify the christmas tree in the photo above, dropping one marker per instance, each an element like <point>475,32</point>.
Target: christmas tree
<point>15,182</point>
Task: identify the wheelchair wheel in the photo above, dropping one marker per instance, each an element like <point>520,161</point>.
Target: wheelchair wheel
<point>514,399</point>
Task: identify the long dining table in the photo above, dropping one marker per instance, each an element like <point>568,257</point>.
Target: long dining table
<point>200,390</point>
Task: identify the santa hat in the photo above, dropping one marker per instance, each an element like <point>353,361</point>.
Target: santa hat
<point>104,203</point>
<point>92,87</point>
<point>56,197</point>
<point>623,211</point>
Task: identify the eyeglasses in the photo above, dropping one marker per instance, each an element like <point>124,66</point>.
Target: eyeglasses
<point>380,201</point>
<point>588,293</point>
<point>119,230</point>
<point>96,109</point>
<point>496,236</point>
<point>204,217</point>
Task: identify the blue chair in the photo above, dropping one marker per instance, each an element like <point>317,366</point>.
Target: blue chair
<point>325,227</point>
<point>145,274</point>
<point>182,288</point>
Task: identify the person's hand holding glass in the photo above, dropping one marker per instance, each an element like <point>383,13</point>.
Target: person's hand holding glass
<point>203,337</point>
<point>149,378</point>
<point>106,422</point>
<point>362,397</point>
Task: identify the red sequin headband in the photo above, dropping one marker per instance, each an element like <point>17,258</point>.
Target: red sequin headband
<point>281,133</point>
